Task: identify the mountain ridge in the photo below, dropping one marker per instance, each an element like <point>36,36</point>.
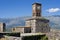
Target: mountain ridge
<point>20,21</point>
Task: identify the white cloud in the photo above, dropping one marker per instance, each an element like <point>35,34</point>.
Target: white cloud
<point>53,10</point>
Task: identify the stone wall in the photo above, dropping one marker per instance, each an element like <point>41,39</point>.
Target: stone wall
<point>32,24</point>
<point>2,27</point>
<point>22,29</point>
<point>18,29</point>
<point>42,26</point>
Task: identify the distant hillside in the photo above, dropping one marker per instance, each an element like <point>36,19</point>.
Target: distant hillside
<point>54,21</point>
<point>20,21</point>
<point>13,22</point>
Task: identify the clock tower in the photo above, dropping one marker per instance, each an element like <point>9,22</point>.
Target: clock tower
<point>36,10</point>
<point>37,22</point>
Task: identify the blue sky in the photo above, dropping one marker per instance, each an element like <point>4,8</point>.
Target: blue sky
<point>20,8</point>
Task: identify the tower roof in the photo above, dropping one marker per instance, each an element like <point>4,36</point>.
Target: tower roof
<point>36,3</point>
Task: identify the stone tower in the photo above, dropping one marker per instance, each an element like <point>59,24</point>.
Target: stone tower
<point>37,22</point>
<point>2,27</point>
<point>36,10</point>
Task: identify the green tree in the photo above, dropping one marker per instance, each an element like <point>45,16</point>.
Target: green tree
<point>44,38</point>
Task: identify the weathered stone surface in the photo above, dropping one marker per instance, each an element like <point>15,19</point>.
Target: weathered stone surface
<point>2,27</point>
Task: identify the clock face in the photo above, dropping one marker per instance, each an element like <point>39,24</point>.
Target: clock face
<point>33,8</point>
<point>38,7</point>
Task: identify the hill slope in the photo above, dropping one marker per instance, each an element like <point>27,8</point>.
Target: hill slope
<point>20,21</point>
